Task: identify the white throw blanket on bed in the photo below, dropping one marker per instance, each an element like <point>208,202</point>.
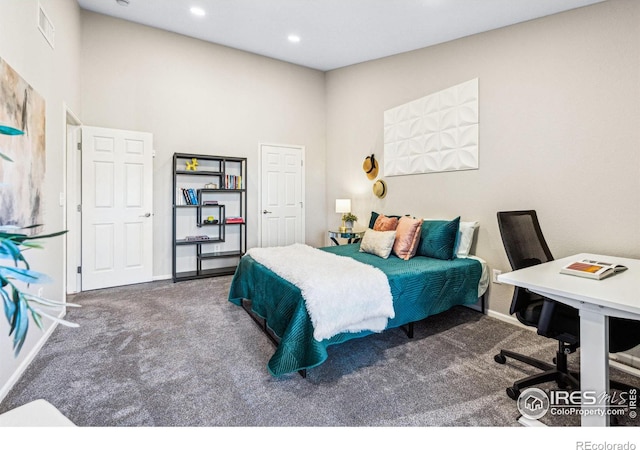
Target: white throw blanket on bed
<point>341,294</point>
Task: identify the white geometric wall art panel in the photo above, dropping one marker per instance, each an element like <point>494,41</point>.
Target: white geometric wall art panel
<point>436,133</point>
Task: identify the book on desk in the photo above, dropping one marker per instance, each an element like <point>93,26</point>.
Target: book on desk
<point>588,268</point>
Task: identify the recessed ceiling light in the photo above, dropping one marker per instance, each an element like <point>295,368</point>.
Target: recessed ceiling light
<point>293,38</point>
<point>197,11</point>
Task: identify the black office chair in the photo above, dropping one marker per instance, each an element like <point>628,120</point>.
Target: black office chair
<point>525,246</point>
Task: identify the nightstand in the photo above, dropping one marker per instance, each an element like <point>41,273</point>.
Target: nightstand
<point>352,236</point>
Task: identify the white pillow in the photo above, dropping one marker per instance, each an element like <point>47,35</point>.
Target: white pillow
<point>378,243</point>
<point>465,238</point>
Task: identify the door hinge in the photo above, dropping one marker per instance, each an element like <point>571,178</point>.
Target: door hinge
<point>80,146</point>
<point>79,269</point>
<point>79,208</point>
<point>301,163</point>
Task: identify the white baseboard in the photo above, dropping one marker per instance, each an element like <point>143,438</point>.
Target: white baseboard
<point>509,319</point>
<point>13,379</point>
<point>620,362</point>
<point>161,277</point>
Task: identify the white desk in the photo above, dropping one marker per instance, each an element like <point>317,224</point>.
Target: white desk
<point>596,300</point>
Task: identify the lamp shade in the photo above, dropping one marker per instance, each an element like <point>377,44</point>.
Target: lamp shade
<point>343,205</point>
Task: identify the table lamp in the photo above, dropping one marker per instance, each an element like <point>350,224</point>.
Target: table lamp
<point>343,205</point>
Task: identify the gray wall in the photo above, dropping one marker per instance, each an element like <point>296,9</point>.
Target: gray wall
<point>197,97</point>
<point>54,74</point>
<point>559,132</point>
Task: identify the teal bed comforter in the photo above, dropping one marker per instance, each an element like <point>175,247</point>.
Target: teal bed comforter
<point>420,287</point>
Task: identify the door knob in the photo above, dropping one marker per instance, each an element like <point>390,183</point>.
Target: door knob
<point>146,215</point>
<point>266,212</point>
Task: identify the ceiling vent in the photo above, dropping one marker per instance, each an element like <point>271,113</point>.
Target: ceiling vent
<point>46,26</point>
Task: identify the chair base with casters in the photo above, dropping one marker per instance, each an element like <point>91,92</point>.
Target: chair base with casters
<point>559,372</point>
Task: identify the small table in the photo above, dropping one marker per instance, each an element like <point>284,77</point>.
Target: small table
<point>596,301</point>
<point>352,236</point>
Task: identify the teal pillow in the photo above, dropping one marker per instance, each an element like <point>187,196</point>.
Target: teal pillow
<point>438,238</point>
<point>374,217</point>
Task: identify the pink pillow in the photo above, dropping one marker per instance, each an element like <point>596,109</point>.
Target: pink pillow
<point>407,237</point>
<point>384,223</point>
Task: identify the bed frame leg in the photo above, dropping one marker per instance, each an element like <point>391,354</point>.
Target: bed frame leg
<point>408,330</point>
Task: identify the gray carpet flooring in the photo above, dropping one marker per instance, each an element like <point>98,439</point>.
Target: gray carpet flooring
<point>181,355</point>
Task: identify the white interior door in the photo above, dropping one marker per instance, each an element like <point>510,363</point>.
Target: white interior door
<point>282,195</point>
<point>73,213</point>
<point>117,219</point>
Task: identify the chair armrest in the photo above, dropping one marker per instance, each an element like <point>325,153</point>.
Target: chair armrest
<point>546,317</point>
<point>521,299</point>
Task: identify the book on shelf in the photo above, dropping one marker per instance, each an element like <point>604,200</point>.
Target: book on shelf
<point>190,196</point>
<point>589,268</point>
<point>234,220</point>
<point>193,196</point>
<point>209,202</point>
<point>187,198</point>
<point>197,238</point>
<point>233,182</point>
<point>180,200</point>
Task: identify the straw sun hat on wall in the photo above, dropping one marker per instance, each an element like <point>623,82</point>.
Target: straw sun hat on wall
<point>370,167</point>
<point>380,189</point>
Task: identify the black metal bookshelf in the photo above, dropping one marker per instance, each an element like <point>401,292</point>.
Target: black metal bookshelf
<point>204,244</point>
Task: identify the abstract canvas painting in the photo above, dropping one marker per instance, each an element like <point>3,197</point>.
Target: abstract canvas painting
<point>436,133</point>
<point>21,180</point>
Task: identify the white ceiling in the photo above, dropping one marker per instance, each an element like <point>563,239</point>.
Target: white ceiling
<point>333,33</point>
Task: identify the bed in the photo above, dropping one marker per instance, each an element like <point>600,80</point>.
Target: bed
<point>420,287</point>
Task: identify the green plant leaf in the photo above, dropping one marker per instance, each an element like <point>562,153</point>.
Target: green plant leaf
<point>15,237</point>
<point>17,306</point>
<point>43,236</point>
<point>9,250</point>
<point>34,244</point>
<point>57,319</point>
<point>47,302</point>
<point>36,317</point>
<point>10,131</point>
<point>21,323</point>
<point>20,237</point>
<point>9,306</point>
<point>24,275</point>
